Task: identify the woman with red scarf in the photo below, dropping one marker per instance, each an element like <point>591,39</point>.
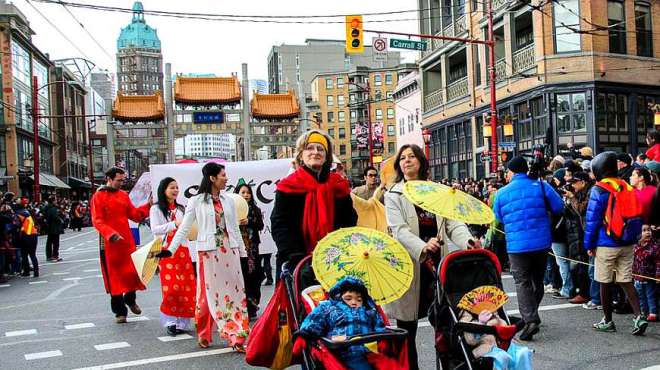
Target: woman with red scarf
<point>177,274</point>
<point>311,202</point>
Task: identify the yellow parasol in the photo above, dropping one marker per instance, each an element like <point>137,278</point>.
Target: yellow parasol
<point>240,204</point>
<point>144,261</point>
<point>484,298</point>
<point>381,262</point>
<point>448,202</point>
<point>387,172</point>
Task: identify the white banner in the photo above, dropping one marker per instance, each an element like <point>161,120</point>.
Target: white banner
<point>262,176</point>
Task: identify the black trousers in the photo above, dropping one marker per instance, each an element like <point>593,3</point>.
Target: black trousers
<point>252,282</point>
<point>264,261</point>
<point>28,245</point>
<point>119,303</point>
<point>53,246</point>
<point>411,327</point>
<point>528,270</point>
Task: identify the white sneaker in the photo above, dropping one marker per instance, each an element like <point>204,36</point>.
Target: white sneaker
<point>550,290</point>
<point>591,306</point>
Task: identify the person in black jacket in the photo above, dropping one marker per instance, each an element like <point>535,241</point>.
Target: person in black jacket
<point>53,230</point>
<point>577,198</point>
<point>309,203</point>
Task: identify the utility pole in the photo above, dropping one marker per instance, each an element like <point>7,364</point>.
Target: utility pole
<point>371,139</point>
<point>169,113</point>
<point>493,90</point>
<point>89,140</point>
<point>35,131</point>
<point>245,87</point>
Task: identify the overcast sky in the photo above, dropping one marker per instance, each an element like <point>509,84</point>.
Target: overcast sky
<point>199,46</point>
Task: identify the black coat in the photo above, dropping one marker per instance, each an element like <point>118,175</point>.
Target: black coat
<point>287,219</point>
<point>53,220</point>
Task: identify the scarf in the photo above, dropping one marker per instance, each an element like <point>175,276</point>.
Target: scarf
<point>319,212</point>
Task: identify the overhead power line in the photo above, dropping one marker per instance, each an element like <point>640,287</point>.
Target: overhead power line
<point>105,51</point>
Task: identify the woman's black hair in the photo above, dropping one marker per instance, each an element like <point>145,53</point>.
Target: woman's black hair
<point>645,174</point>
<point>241,186</point>
<point>419,154</point>
<point>209,169</point>
<point>163,205</point>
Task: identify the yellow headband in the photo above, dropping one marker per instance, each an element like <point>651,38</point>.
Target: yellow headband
<point>317,138</point>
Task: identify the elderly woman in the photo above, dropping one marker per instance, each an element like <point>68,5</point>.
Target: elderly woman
<point>311,202</point>
<point>423,234</point>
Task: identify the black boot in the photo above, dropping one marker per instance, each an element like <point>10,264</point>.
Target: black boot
<point>171,331</point>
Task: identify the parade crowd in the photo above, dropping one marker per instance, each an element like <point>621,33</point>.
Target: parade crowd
<point>563,227</point>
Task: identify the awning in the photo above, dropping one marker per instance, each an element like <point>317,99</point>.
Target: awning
<point>79,183</point>
<point>51,181</point>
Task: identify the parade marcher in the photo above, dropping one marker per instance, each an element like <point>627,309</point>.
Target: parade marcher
<point>653,141</point>
<point>76,216</point>
<point>250,228</point>
<point>177,274</point>
<point>311,202</point>
<point>367,190</point>
<point>111,210</point>
<point>221,301</point>
<point>611,253</point>
<point>27,242</point>
<point>642,181</point>
<point>523,206</point>
<point>53,230</point>
<point>423,234</point>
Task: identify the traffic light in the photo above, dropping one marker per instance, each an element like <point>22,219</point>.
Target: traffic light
<point>354,37</point>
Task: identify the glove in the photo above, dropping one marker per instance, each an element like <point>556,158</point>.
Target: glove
<point>163,254</point>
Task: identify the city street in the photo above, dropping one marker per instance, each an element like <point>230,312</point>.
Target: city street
<point>62,320</point>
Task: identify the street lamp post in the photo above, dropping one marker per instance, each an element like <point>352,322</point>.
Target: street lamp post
<point>35,131</point>
<point>426,135</point>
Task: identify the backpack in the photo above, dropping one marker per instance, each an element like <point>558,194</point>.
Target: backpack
<point>622,219</point>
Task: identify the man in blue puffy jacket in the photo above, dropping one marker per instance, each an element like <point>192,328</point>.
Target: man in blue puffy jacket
<point>523,206</point>
<point>613,257</point>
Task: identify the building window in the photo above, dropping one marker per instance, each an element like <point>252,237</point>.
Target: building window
<point>330,100</point>
<point>391,131</point>
<point>379,114</point>
<point>341,116</point>
<point>391,148</point>
<point>3,152</point>
<point>342,133</point>
<point>340,82</point>
<point>571,112</point>
<point>328,83</point>
<point>378,80</point>
<point>388,96</point>
<point>353,115</point>
<point>566,21</point>
<point>342,149</point>
<point>402,126</point>
<point>612,113</point>
<point>331,132</point>
<point>331,116</point>
<point>351,98</point>
<point>388,79</point>
<point>390,112</point>
<point>644,30</point>
<point>616,22</point>
<point>340,100</point>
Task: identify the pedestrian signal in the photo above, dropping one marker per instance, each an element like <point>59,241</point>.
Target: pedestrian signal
<point>354,37</point>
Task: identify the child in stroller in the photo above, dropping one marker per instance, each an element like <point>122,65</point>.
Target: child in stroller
<point>348,311</point>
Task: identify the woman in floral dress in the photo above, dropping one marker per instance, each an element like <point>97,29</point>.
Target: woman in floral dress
<point>221,298</point>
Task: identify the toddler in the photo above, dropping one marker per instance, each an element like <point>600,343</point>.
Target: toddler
<point>646,262</point>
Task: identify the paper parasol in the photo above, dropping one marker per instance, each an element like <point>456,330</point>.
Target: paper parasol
<point>240,204</point>
<point>484,298</point>
<point>144,261</point>
<point>448,202</point>
<point>374,257</point>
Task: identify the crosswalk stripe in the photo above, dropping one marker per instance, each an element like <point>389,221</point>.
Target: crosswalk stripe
<point>172,339</point>
<point>38,282</point>
<point>137,318</point>
<point>39,355</point>
<point>61,273</point>
<point>83,325</point>
<point>72,278</point>
<point>107,346</point>
<point>151,361</point>
<point>91,270</point>
<point>5,285</point>
<point>17,333</point>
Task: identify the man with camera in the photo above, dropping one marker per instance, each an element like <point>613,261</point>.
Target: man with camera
<point>523,206</point>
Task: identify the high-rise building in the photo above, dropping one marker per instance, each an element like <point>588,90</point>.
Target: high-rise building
<point>258,86</point>
<point>207,146</point>
<point>292,67</point>
<point>139,57</point>
<point>348,102</point>
<point>104,84</point>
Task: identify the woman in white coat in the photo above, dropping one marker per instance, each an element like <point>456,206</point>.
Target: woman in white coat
<point>177,273</point>
<point>221,300</point>
<point>423,235</point>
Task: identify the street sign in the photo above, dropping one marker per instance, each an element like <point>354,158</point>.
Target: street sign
<point>379,49</point>
<point>506,144</point>
<point>408,44</point>
<point>208,117</point>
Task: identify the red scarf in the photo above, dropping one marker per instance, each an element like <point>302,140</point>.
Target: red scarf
<point>319,213</point>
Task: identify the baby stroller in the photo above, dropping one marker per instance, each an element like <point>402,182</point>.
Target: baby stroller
<point>304,294</point>
<point>460,272</point>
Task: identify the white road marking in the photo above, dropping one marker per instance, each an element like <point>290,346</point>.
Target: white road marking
<point>61,273</point>
<point>91,270</point>
<point>172,339</point>
<point>72,261</point>
<point>78,235</point>
<point>512,294</point>
<point>38,282</point>
<point>149,361</point>
<point>516,312</point>
<point>40,355</point>
<point>18,333</point>
<point>507,276</point>
<point>137,318</point>
<point>5,285</point>
<point>83,325</point>
<point>72,278</point>
<point>80,244</point>
<point>82,277</point>
<point>68,249</point>
<point>107,346</point>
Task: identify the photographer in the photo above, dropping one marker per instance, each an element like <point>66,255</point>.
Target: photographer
<point>576,195</point>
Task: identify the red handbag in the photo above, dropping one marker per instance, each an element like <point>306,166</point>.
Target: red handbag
<point>270,343</point>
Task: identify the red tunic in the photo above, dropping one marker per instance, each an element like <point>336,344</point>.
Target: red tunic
<point>111,210</point>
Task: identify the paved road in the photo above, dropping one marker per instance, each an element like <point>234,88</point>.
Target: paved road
<point>62,320</point>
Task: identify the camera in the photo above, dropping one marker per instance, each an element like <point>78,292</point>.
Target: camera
<point>569,187</point>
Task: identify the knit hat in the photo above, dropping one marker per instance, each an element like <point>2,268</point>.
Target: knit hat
<point>318,139</point>
<point>559,159</point>
<point>580,176</point>
<point>518,165</point>
<point>653,166</point>
<point>586,165</point>
<point>624,157</point>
